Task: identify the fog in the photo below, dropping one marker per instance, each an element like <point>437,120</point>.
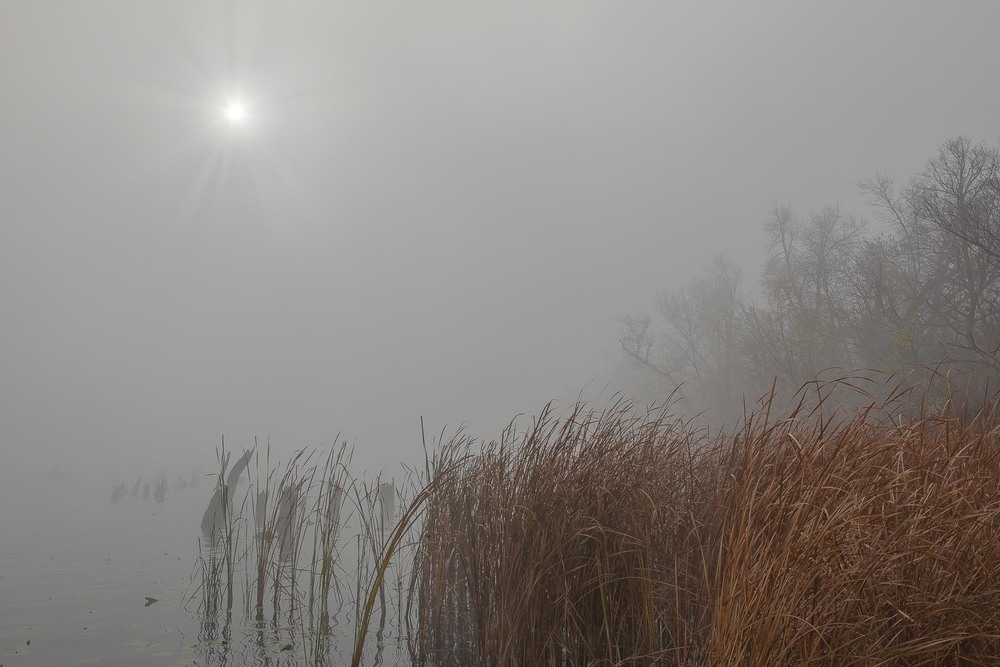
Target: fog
<point>433,209</point>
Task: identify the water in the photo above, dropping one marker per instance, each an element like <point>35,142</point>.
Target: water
<point>75,572</point>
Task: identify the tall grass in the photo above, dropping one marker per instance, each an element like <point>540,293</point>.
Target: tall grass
<point>832,532</point>
<point>221,531</point>
<point>326,531</point>
<point>808,536</point>
<point>570,542</point>
<point>861,541</point>
<point>280,541</point>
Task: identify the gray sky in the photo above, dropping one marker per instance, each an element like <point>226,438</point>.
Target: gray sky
<point>436,209</point>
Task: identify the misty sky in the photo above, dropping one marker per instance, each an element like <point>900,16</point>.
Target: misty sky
<point>437,208</point>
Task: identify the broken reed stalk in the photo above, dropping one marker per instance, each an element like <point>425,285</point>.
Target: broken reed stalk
<point>287,499</point>
<point>220,525</point>
<point>284,525</point>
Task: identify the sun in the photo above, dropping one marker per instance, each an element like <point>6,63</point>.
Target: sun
<point>236,112</point>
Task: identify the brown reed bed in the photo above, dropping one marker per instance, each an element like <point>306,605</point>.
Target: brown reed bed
<point>816,536</point>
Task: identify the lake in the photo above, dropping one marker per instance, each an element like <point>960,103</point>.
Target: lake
<point>77,571</point>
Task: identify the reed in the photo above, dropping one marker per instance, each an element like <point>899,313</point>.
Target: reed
<point>221,528</point>
<point>831,532</point>
<point>815,535</point>
<point>334,478</point>
<point>861,541</point>
<point>568,542</point>
<point>285,535</point>
<point>387,549</point>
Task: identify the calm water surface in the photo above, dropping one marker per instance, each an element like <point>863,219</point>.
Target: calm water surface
<point>75,571</point>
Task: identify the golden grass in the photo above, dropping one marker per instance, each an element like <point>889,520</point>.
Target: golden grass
<point>610,537</point>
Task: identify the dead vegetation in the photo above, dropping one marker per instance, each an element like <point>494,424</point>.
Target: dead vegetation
<point>817,536</point>
<point>826,534</point>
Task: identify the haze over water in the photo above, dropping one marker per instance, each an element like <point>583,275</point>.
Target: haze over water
<point>429,210</point>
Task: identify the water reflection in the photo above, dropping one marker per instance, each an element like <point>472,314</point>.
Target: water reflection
<point>280,580</point>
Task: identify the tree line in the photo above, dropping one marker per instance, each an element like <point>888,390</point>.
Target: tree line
<point>920,296</point>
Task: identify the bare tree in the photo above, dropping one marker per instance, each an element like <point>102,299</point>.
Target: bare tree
<point>924,293</point>
<point>694,350</point>
<point>947,222</point>
<point>807,286</point>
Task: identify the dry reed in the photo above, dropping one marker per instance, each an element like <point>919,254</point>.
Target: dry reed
<point>811,537</point>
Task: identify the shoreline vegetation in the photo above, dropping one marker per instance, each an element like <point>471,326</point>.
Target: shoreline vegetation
<point>855,527</point>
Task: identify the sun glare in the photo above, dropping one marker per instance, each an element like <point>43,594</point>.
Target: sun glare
<point>236,112</point>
